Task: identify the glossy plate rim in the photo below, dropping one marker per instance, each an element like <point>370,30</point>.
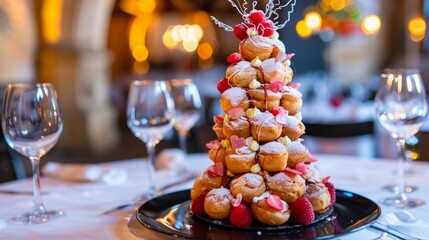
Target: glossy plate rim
<point>144,225</point>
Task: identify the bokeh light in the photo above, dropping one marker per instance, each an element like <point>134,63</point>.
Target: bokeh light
<point>302,29</point>
<point>417,29</point>
<point>313,20</point>
<point>371,24</point>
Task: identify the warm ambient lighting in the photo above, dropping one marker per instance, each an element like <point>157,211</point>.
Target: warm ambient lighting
<point>371,24</point>
<point>302,29</point>
<point>417,29</point>
<point>313,20</point>
<point>51,20</point>
<point>188,36</point>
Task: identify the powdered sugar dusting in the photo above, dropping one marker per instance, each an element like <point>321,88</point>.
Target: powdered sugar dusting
<point>273,148</point>
<point>235,95</point>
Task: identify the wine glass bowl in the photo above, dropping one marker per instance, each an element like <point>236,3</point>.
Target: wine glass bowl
<point>32,124</point>
<point>150,115</point>
<point>401,108</point>
<point>187,104</point>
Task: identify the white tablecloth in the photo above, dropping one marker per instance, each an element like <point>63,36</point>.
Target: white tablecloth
<point>83,202</point>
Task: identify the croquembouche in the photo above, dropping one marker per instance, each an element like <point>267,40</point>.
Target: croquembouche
<point>261,169</point>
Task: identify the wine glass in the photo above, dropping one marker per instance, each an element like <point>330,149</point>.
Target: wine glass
<point>188,102</point>
<point>150,115</point>
<point>32,124</point>
<point>401,108</point>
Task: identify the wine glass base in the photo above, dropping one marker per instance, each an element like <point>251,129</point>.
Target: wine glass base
<point>398,202</point>
<point>36,217</point>
<point>394,188</point>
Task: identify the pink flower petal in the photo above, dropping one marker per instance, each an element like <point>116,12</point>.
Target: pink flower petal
<point>293,171</point>
<point>236,113</point>
<point>214,144</point>
<point>236,201</point>
<point>311,158</point>
<point>301,167</point>
<point>218,118</point>
<point>237,142</point>
<point>216,170</point>
<point>276,85</point>
<point>289,56</point>
<point>326,179</point>
<point>294,85</point>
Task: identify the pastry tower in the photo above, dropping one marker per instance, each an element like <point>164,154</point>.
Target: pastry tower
<point>261,169</point>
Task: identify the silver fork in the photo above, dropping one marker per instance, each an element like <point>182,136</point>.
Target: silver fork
<point>143,198</point>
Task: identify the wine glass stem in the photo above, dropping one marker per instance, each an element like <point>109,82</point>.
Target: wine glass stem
<point>400,145</point>
<point>182,141</point>
<point>37,195</point>
<point>150,168</point>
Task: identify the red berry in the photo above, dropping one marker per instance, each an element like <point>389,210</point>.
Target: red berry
<point>266,29</point>
<point>240,31</point>
<point>198,205</point>
<point>301,211</point>
<point>275,202</point>
<point>234,58</point>
<point>331,189</point>
<point>223,85</point>
<point>256,17</point>
<point>241,216</point>
<point>336,101</point>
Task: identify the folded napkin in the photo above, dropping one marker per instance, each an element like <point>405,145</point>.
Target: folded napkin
<point>404,222</point>
<point>85,173</point>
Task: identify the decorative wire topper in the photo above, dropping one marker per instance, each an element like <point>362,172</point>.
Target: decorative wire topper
<point>271,10</point>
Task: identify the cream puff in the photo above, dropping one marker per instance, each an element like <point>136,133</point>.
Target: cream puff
<point>256,46</point>
<point>291,100</point>
<point>239,127</point>
<point>234,98</point>
<point>217,155</point>
<point>264,99</point>
<point>217,203</point>
<point>298,153</point>
<point>218,126</point>
<point>240,163</point>
<point>293,128</point>
<point>319,197</point>
<point>249,185</point>
<point>265,128</point>
<point>273,156</point>
<point>312,175</point>
<point>211,180</point>
<point>287,185</point>
<point>198,188</point>
<point>271,69</point>
<point>267,214</point>
<point>241,74</point>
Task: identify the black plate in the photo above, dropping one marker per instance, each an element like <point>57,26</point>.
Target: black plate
<point>168,216</point>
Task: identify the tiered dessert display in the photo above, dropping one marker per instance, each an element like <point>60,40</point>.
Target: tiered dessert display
<point>261,169</point>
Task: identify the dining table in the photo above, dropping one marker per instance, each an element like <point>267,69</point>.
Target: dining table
<point>86,192</point>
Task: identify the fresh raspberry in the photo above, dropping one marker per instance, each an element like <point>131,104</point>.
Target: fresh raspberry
<point>241,216</point>
<point>234,58</point>
<point>266,29</point>
<point>331,189</point>
<point>256,17</point>
<point>240,31</point>
<point>301,211</point>
<point>198,205</point>
<point>223,85</point>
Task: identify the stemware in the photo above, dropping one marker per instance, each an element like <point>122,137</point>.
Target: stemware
<point>32,124</point>
<point>401,108</point>
<point>150,115</point>
<point>188,102</point>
